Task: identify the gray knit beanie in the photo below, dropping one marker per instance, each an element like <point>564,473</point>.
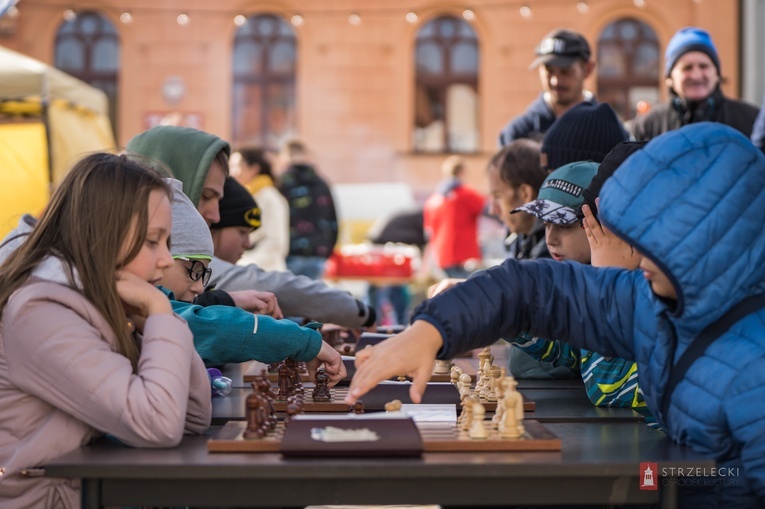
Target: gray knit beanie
<point>190,235</point>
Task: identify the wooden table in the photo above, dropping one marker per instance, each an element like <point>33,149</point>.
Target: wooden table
<point>599,464</point>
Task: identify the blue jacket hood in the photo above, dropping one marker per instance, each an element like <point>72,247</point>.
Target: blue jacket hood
<point>693,201</point>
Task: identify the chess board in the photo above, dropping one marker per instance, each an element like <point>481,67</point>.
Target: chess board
<point>375,399</point>
<point>309,405</point>
<point>435,437</point>
<point>273,377</point>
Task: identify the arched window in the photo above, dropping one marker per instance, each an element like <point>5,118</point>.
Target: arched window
<point>88,48</point>
<point>446,87</point>
<point>628,66</point>
<point>265,53</point>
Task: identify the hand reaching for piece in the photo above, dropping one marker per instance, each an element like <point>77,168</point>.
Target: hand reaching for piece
<point>260,303</point>
<point>412,353</point>
<point>332,361</point>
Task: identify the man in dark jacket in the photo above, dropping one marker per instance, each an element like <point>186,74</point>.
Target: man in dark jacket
<point>564,62</point>
<point>692,69</point>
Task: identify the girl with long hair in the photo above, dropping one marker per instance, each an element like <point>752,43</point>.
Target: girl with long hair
<point>88,344</point>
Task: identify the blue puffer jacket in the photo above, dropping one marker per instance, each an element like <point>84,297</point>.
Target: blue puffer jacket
<point>693,201</point>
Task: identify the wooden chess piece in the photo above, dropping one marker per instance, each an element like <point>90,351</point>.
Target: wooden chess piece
<point>511,425</point>
<point>456,372</point>
<point>256,415</point>
<point>358,407</point>
<point>483,356</point>
<point>464,384</point>
<point>264,386</point>
<point>393,406</point>
<point>294,407</point>
<point>284,383</point>
<point>401,378</point>
<point>321,392</point>
<point>441,367</point>
<point>295,382</point>
<point>477,428</point>
<point>467,413</point>
<point>492,392</point>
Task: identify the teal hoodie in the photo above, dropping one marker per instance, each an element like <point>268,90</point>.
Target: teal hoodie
<point>187,152</point>
<point>224,334</point>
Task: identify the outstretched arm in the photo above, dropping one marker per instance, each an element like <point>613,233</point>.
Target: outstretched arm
<point>589,307</point>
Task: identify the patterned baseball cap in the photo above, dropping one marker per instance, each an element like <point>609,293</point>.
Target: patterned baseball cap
<point>561,193</point>
<point>561,48</point>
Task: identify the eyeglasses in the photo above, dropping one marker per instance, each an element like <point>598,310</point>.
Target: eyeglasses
<point>197,270</point>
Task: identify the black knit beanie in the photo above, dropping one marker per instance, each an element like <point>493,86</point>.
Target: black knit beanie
<point>237,207</point>
<point>586,132</point>
<point>610,164</point>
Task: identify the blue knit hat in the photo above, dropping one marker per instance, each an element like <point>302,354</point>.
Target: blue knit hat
<point>689,39</point>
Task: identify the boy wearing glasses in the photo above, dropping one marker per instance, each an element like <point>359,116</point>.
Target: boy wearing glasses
<point>228,334</point>
<point>189,275</point>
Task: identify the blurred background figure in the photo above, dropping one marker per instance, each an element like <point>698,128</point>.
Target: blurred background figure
<point>692,71</point>
<point>565,61</point>
<point>251,167</point>
<point>313,220</point>
<point>400,227</point>
<point>515,177</point>
<point>450,219</point>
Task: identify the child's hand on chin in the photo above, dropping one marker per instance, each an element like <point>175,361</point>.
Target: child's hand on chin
<point>140,298</point>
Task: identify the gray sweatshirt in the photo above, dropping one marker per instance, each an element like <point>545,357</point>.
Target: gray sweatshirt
<point>297,295</point>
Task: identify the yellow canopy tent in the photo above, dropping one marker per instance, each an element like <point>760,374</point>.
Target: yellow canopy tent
<point>48,120</point>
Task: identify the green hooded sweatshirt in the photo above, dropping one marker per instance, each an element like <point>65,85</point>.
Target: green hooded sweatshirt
<point>187,152</point>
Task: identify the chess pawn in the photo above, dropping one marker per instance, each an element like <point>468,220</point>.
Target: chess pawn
<point>264,386</point>
<point>441,367</point>
<point>466,415</point>
<point>393,406</point>
<point>455,375</point>
<point>293,409</point>
<point>464,384</point>
<point>494,393</point>
<point>256,416</point>
<point>358,407</point>
<point>321,392</point>
<point>477,428</point>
